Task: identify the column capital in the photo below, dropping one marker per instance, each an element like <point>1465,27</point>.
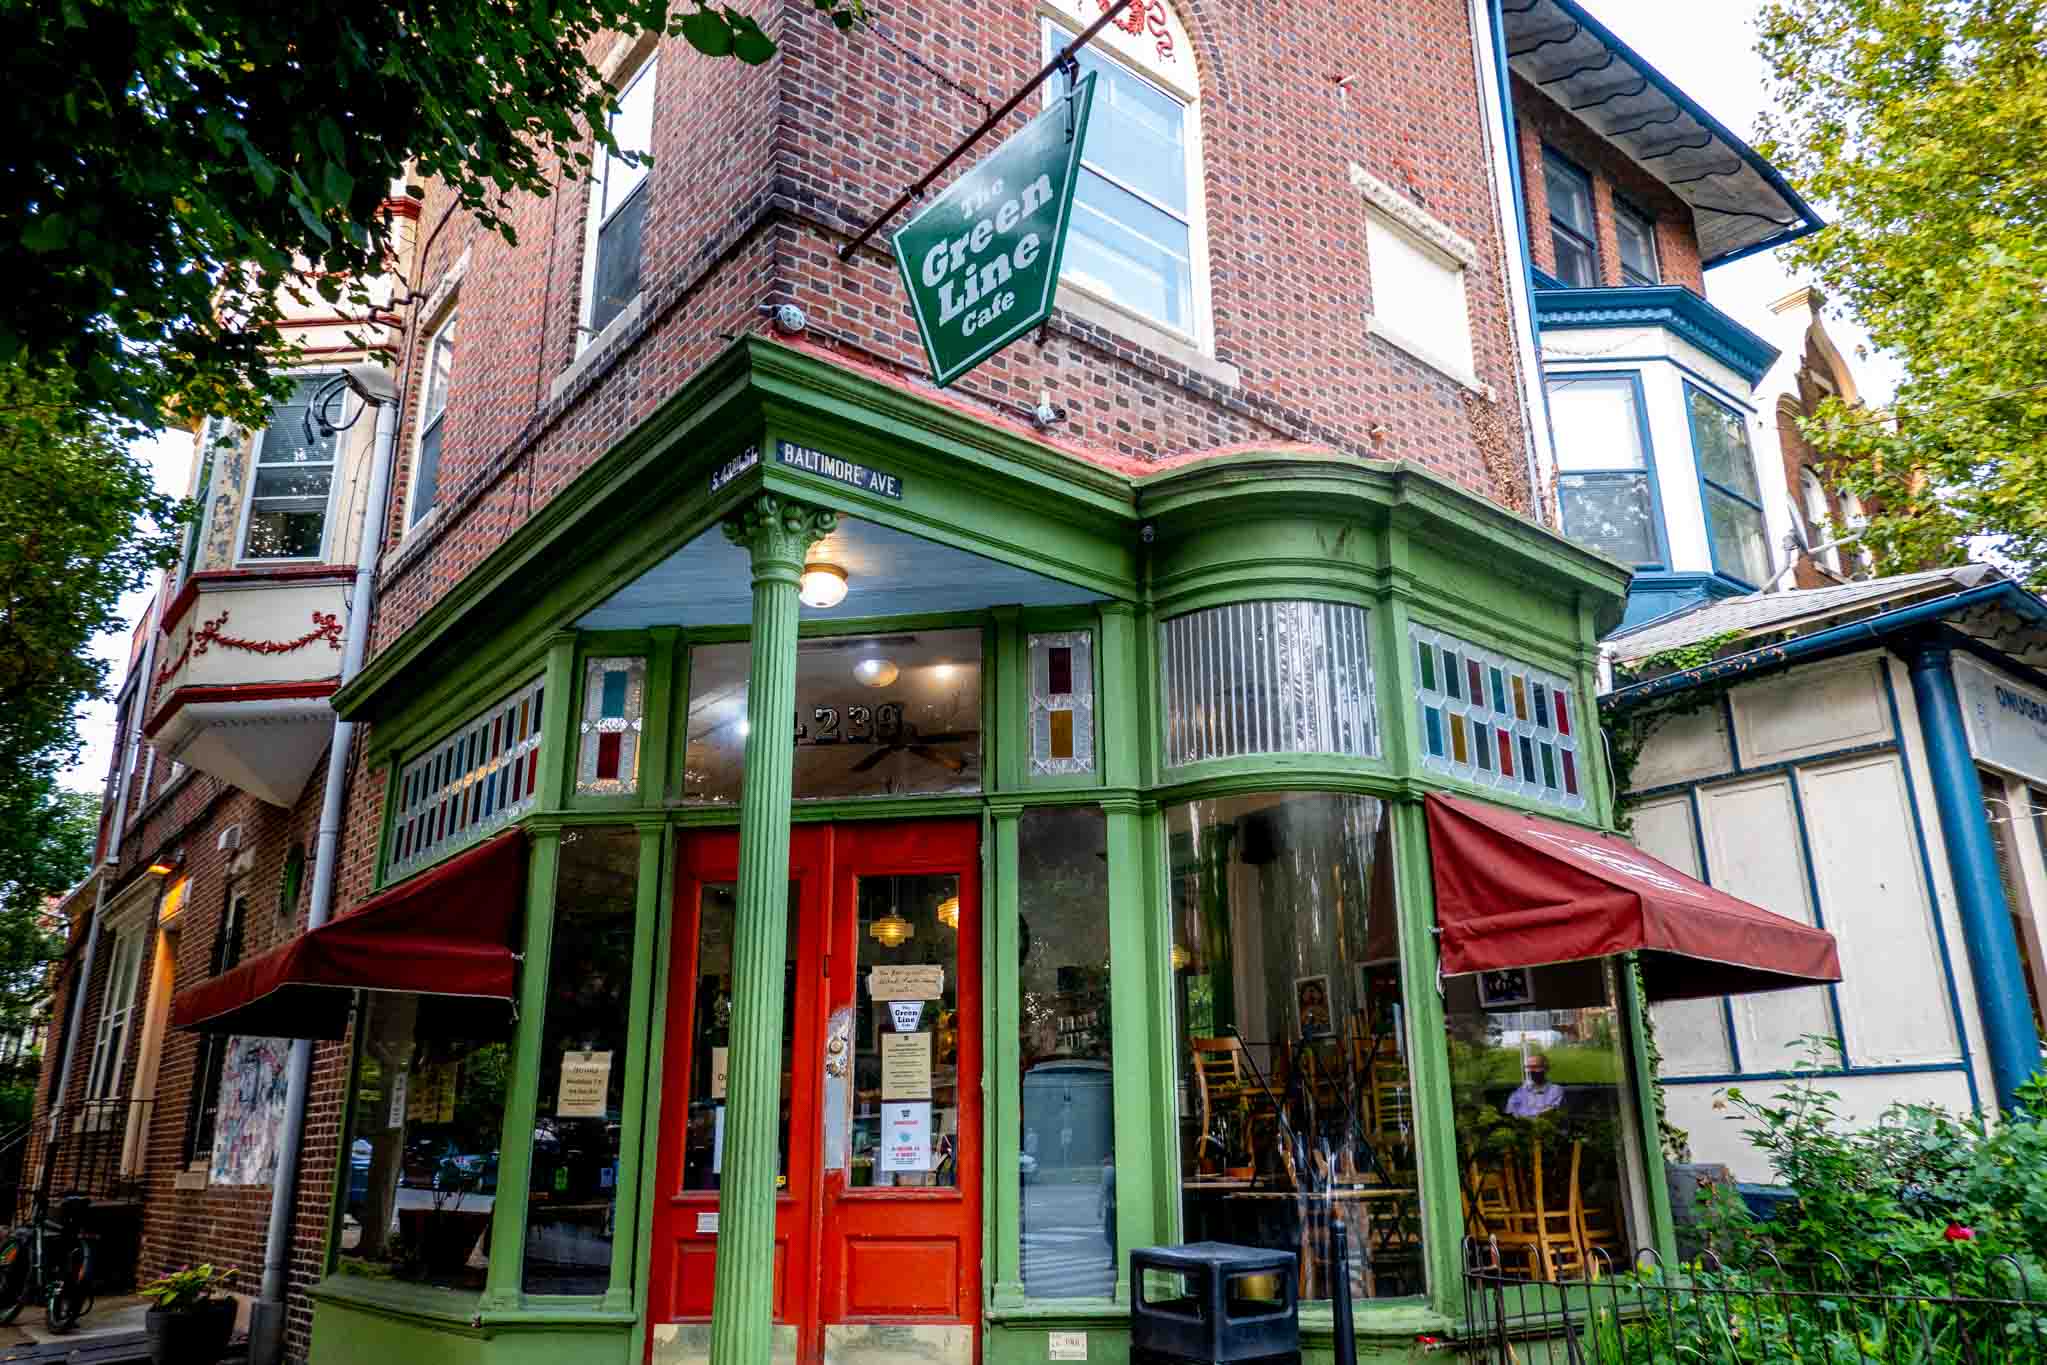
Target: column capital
<point>777,532</point>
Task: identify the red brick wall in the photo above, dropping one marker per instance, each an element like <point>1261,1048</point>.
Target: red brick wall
<point>761,173</point>
<point>1541,120</point>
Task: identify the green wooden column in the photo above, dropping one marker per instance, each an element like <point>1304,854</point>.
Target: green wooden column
<point>776,532</point>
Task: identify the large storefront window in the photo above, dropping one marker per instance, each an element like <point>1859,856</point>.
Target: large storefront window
<point>573,1198</point>
<point>423,1152</point>
<point>1066,1162</point>
<point>1538,1072</point>
<point>876,715</point>
<point>703,1161</point>
<point>1295,1104</point>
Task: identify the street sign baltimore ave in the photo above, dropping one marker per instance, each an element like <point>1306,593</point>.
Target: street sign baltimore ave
<point>982,261</point>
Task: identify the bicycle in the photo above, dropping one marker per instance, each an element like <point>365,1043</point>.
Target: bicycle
<point>51,1260</point>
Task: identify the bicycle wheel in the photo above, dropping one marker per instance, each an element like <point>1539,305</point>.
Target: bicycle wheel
<point>14,1261</point>
<point>70,1292</point>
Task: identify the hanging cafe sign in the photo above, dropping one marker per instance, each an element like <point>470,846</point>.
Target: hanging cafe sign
<point>981,262</point>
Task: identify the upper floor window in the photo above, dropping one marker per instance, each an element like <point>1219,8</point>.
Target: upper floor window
<point>117,1009</point>
<point>286,515</point>
<point>1136,232</point>
<point>1636,234</point>
<point>1573,231</point>
<point>618,207</point>
<point>1727,483</point>
<point>1604,490</point>
<point>1819,518</point>
<point>433,407</point>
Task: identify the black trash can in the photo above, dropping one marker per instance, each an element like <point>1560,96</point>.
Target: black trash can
<point>1229,1305</point>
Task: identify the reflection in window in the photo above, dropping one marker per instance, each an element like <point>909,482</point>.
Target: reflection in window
<point>422,1166</point>
<point>619,203</point>
<point>426,476</point>
<point>1635,232</point>
<point>1734,500</point>
<point>1066,1165</point>
<point>583,1044</point>
<point>294,476</point>
<point>1603,474</point>
<point>906,1048</point>
<point>1545,1145</point>
<point>1487,719</point>
<point>1267,678</point>
<point>876,715</point>
<point>1294,1099</point>
<point>2002,817</point>
<point>703,1160</point>
<point>1573,237</point>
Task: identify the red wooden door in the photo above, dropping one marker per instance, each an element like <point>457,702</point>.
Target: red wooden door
<point>861,1236</point>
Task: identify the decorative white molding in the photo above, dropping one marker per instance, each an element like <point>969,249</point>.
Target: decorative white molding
<point>1412,218</point>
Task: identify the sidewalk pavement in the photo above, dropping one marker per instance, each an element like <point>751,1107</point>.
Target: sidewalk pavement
<point>120,1316</point>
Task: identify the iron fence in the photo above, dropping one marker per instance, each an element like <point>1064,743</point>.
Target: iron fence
<point>1707,1311</point>
<point>95,1148</point>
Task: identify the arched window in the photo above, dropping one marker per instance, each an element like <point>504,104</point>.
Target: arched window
<point>1853,519</point>
<point>1138,239</point>
<point>1819,519</point>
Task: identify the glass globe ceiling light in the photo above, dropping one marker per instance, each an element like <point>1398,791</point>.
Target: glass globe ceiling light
<point>892,930</point>
<point>822,585</point>
<point>949,912</point>
<point>876,671</point>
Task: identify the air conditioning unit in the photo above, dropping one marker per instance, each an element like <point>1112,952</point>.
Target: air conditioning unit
<point>230,840</point>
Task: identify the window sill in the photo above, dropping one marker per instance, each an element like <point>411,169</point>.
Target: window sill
<point>1092,309</point>
<point>628,318</point>
<point>1449,369</point>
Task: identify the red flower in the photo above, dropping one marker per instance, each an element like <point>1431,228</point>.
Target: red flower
<point>1960,1232</point>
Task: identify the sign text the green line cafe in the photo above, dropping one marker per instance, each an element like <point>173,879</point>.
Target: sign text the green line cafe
<point>981,262</point>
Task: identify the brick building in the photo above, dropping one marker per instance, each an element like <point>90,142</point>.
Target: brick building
<point>652,1027</point>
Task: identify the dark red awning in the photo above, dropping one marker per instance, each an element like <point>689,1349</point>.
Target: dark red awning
<point>1516,890</point>
<point>447,935</point>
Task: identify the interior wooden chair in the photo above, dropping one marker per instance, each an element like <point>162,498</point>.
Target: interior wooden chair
<point>1219,1083</point>
<point>1541,1231</point>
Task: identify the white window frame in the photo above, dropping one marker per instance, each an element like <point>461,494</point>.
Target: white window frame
<point>255,448</point>
<point>117,1020</point>
<point>1055,30</point>
<point>446,320</point>
<point>1819,517</point>
<point>643,61</point>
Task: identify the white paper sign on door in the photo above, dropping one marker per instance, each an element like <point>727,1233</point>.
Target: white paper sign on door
<point>913,982</point>
<point>906,1136</point>
<point>718,1056</point>
<point>1067,1346</point>
<point>905,1014</point>
<point>399,1084</point>
<point>585,1083</point>
<point>906,1066</point>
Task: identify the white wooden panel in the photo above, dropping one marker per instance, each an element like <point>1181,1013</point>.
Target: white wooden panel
<point>1810,711</point>
<point>1684,748</point>
<point>1894,991</point>
<point>1715,1128</point>
<point>1751,837</point>
<point>1691,1035</point>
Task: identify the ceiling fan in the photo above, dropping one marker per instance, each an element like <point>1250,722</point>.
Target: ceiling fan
<point>910,742</point>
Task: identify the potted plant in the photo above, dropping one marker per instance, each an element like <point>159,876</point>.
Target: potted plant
<point>193,1316</point>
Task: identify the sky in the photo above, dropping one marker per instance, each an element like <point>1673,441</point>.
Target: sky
<point>1714,62</point>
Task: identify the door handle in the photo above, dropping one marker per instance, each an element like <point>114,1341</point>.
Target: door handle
<point>838,1090</point>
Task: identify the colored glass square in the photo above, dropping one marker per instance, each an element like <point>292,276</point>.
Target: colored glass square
<point>1475,676</point>
<point>1527,759</point>
<point>1499,691</point>
<point>1570,773</point>
<point>1459,750</point>
<point>1059,677</point>
<point>608,745</point>
<point>1520,698</point>
<point>1453,683</point>
<point>1427,656</point>
<point>1563,704</point>
<point>1432,721</point>
<point>1482,746</point>
<point>1060,738</point>
<point>1506,754</point>
<point>1549,766</point>
<point>612,707</point>
<point>1541,705</point>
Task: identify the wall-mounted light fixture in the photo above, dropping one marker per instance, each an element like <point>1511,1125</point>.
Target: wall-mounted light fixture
<point>823,585</point>
<point>168,863</point>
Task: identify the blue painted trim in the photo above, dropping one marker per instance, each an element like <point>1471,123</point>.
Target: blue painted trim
<point>1661,528</point>
<point>1699,468</point>
<point>1706,876</point>
<point>1819,914</point>
<point>1712,386</point>
<point>1823,644</point>
<point>1881,746</point>
<point>1809,221</point>
<point>1735,1078</point>
<point>1733,734</point>
<point>1947,959</point>
<point>1672,307</point>
<point>1999,979</point>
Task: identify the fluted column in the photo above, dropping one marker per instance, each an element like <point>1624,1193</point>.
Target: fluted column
<point>777,533</point>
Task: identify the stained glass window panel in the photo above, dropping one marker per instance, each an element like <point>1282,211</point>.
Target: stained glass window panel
<point>1269,678</point>
<point>478,779</point>
<point>614,702</point>
<point>1062,703</point>
<point>1507,726</point>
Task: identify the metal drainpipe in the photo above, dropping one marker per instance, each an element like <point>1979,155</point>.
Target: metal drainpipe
<point>266,1315</point>
<point>107,865</point>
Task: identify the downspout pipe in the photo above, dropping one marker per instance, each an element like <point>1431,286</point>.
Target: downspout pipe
<point>266,1315</point>
<point>2002,999</point>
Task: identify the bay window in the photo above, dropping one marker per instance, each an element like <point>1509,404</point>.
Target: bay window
<point>1727,483</point>
<point>1604,489</point>
<point>286,516</point>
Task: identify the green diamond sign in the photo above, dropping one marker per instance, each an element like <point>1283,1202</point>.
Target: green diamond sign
<point>981,262</point>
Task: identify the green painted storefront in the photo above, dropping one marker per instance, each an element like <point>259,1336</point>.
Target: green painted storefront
<point>1117,555</point>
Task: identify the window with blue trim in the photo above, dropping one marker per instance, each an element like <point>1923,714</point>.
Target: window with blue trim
<point>1728,488</point>
<point>1573,231</point>
<point>1635,233</point>
<point>1604,491</point>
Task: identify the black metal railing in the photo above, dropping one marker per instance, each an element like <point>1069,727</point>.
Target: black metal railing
<point>1764,1311</point>
<point>96,1149</point>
